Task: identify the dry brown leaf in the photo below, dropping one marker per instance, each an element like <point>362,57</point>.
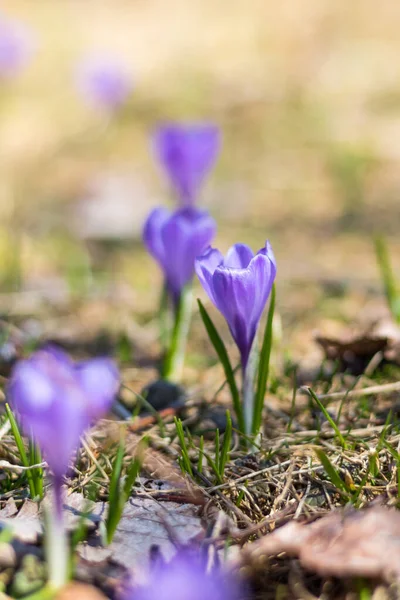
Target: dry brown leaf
<point>346,543</point>
<point>355,348</point>
<point>354,352</point>
<point>10,509</point>
<point>27,524</point>
<point>146,523</point>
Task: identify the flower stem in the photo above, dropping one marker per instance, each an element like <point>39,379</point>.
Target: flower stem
<point>249,373</point>
<point>163,317</point>
<point>56,540</point>
<point>174,358</point>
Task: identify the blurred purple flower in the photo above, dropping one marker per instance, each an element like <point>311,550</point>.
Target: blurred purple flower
<point>105,83</point>
<point>174,240</point>
<point>185,579</point>
<point>239,285</point>
<point>16,46</point>
<point>187,152</point>
<point>57,399</point>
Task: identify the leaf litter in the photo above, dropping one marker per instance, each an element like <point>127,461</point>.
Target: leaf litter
<point>285,522</point>
<point>345,543</point>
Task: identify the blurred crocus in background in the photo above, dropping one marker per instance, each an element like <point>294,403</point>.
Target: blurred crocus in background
<point>105,83</point>
<point>184,578</point>
<point>187,153</point>
<point>56,400</point>
<point>174,240</point>
<point>239,285</point>
<point>16,46</point>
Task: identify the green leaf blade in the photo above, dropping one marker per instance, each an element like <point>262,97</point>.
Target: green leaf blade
<point>222,354</point>
<point>263,365</point>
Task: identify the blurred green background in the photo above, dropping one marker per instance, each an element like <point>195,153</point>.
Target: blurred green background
<point>308,97</point>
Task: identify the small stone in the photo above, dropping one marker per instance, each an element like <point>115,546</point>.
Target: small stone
<point>163,394</point>
<point>214,418</point>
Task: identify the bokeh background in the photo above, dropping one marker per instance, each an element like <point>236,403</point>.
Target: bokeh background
<point>308,98</point>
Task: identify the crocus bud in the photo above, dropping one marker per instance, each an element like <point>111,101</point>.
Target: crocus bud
<point>16,47</point>
<point>174,240</point>
<point>57,399</point>
<point>239,285</point>
<point>105,83</point>
<point>185,579</point>
<point>187,153</point>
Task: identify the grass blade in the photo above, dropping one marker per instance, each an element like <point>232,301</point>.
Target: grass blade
<point>263,366</point>
<point>217,450</point>
<point>119,494</point>
<point>328,417</point>
<point>134,469</point>
<point>21,449</point>
<point>182,442</point>
<point>388,279</point>
<point>331,471</point>
<point>226,445</point>
<point>200,460</point>
<point>213,466</point>
<point>293,403</point>
<point>114,498</point>
<point>35,458</point>
<point>222,353</point>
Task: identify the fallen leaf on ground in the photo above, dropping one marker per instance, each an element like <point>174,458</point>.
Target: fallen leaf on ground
<point>27,524</point>
<point>346,543</point>
<point>354,349</point>
<point>9,510</point>
<point>146,524</point>
<point>353,352</point>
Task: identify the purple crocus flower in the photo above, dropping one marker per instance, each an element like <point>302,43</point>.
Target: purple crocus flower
<point>185,579</point>
<point>187,152</point>
<point>239,285</point>
<point>57,400</point>
<point>105,83</point>
<point>174,240</point>
<point>16,47</point>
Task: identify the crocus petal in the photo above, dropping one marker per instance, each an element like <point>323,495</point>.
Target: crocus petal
<point>152,233</point>
<point>267,251</point>
<point>56,400</point>
<point>184,237</point>
<point>50,353</point>
<point>175,240</point>
<point>58,431</point>
<point>233,292</point>
<point>205,266</point>
<point>49,405</point>
<point>241,295</point>
<point>187,152</point>
<point>238,256</point>
<point>31,388</point>
<point>263,272</point>
<point>99,380</point>
<point>186,579</point>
